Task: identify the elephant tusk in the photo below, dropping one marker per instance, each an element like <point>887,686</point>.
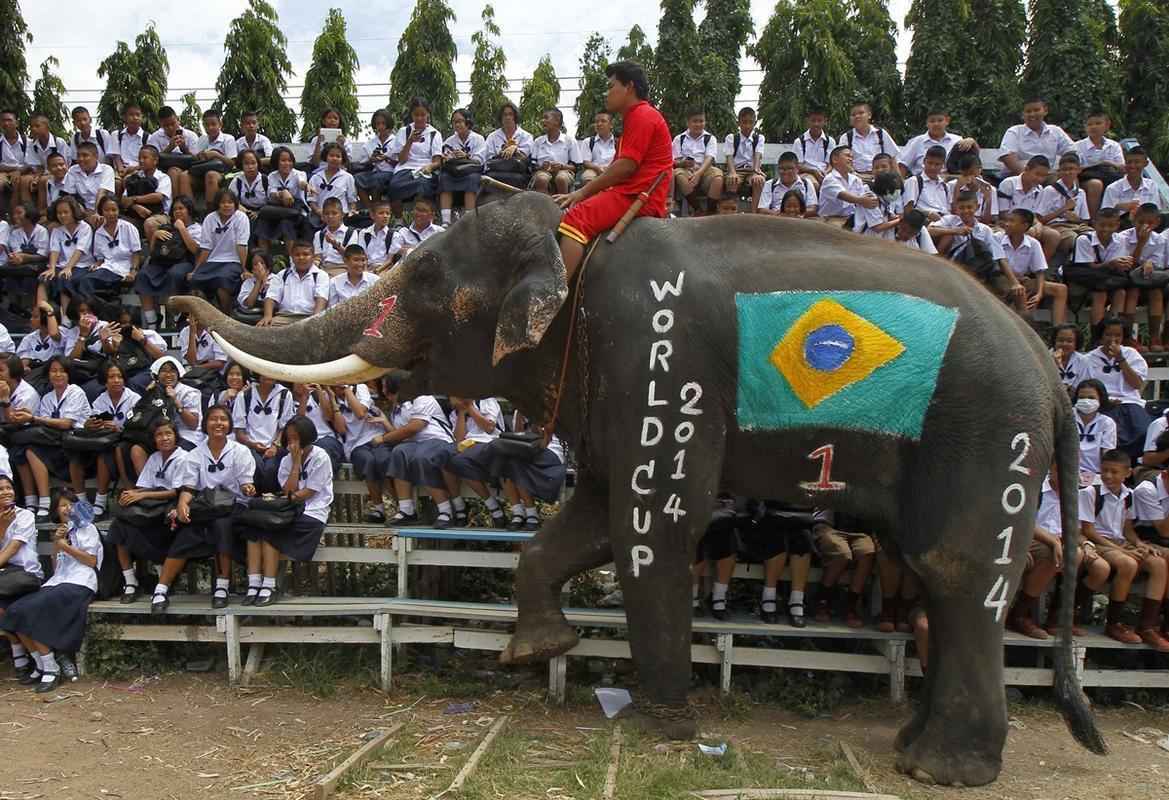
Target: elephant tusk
<point>348,370</point>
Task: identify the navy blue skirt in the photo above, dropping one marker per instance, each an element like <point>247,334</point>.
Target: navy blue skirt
<point>155,280</point>
<point>420,463</point>
<point>467,183</point>
<point>474,463</point>
<point>370,461</point>
<point>299,541</point>
<point>204,539</point>
<point>92,281</point>
<point>214,275</point>
<point>404,186</point>
<point>54,616</point>
<point>145,544</point>
<point>542,477</point>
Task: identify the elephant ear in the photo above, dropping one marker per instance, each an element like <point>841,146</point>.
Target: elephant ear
<point>533,300</point>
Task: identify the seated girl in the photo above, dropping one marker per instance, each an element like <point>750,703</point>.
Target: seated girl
<point>70,253</point>
<point>64,407</point>
<point>1065,349</point>
<point>422,447</point>
<point>286,189</point>
<point>1097,430</point>
<point>45,338</point>
<point>361,426</point>
<point>160,479</point>
<point>476,423</point>
<point>306,476</point>
<point>237,377</point>
<point>223,250</point>
<point>111,409</point>
<point>218,462</point>
<point>117,252</point>
<point>188,403</point>
<point>320,406</point>
<point>50,622</point>
<point>156,281</point>
<point>253,289</point>
<point>252,190</point>
<point>524,481</point>
<point>259,415</point>
<point>20,567</point>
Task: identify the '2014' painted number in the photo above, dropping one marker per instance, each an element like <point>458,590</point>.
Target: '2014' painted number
<point>1014,499</point>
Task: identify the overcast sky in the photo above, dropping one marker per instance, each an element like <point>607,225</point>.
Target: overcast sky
<point>194,41</point>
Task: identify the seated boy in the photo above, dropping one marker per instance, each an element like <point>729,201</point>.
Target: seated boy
<point>1134,189</point>
<point>867,140</point>
<point>1151,502</point>
<point>927,190</point>
<point>1101,263</point>
<point>173,141</point>
<point>355,279</point>
<point>911,159</point>
<point>1106,520</point>
<point>911,231</point>
<point>214,154</point>
<point>887,186</point>
<point>89,181</point>
<point>250,138</point>
<point>970,180</point>
<point>126,143</point>
<point>788,179</point>
<point>1026,191</point>
<point>1025,258</point>
<point>745,159</point>
<point>843,189</point>
<point>695,152</point>
<point>1034,137</point>
<point>42,143</point>
<point>598,151</point>
<point>329,242</point>
<point>150,208</point>
<point>962,238</point>
<point>298,291</point>
<point>1063,205</point>
<point>814,146</point>
<point>840,550</point>
<point>1149,252</point>
<point>420,229</point>
<point>83,131</point>
<point>1101,157</point>
<point>554,156</point>
<point>377,238</point>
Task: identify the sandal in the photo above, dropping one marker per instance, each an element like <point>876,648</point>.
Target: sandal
<point>266,597</point>
<point>219,597</point>
<point>250,596</point>
<point>159,603</point>
<point>129,594</point>
<point>442,521</point>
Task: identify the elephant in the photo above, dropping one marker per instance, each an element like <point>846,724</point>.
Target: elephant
<point>763,357</point>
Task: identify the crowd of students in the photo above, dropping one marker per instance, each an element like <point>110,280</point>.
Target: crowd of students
<point>271,240</point>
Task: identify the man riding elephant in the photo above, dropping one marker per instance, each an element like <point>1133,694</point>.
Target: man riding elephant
<point>758,356</point>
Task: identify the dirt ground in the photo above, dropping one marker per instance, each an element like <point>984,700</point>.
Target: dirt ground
<point>184,737</point>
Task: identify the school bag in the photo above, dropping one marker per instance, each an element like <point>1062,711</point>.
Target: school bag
<point>804,145</point>
<point>754,144</point>
<point>1100,500</point>
<point>170,252</point>
<point>344,240</point>
<point>154,407</point>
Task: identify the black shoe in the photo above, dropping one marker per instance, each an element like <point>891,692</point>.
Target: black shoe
<point>159,603</point>
<point>29,677</point>
<point>498,520</point>
<point>532,524</point>
<point>129,594</point>
<point>796,618</point>
<point>401,519</point>
<point>721,614</point>
<point>219,598</point>
<point>263,599</point>
<point>768,617</point>
<point>44,687</point>
<point>461,519</point>
<point>442,521</point>
<point>68,666</point>
<point>515,523</point>
<point>23,672</point>
<point>698,608</point>
<point>375,515</point>
<point>250,597</point>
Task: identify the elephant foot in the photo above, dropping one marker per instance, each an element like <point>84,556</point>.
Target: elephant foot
<point>910,732</point>
<point>539,641</point>
<point>668,722</point>
<point>925,761</point>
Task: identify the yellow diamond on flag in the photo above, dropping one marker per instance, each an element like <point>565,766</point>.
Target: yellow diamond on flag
<point>829,348</point>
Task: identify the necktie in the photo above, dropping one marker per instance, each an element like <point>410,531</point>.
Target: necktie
<point>1111,366</point>
<point>215,466</point>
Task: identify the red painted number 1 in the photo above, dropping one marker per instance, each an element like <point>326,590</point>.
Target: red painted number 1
<point>825,455</point>
<point>387,308</point>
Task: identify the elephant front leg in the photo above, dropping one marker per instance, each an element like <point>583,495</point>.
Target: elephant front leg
<point>573,541</point>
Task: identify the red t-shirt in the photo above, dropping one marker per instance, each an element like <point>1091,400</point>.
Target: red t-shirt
<point>645,139</point>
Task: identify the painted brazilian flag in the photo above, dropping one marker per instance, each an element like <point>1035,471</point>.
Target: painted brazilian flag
<point>858,360</point>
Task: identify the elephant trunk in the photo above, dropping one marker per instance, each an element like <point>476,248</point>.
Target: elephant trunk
<point>354,341</point>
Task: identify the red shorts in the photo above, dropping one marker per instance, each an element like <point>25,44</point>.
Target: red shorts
<point>589,219</point>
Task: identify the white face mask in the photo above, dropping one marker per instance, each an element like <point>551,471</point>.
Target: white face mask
<point>1087,405</point>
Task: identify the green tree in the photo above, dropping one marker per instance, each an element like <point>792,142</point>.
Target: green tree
<point>934,75</point>
<point>1071,59</point>
<point>191,114</point>
<point>488,81</point>
<point>46,97</point>
<point>804,61</point>
<point>724,33</point>
<point>541,91</point>
<point>593,83</point>
<point>998,29</point>
<point>134,76</point>
<point>254,75</point>
<point>1144,48</point>
<point>871,42</point>
<point>331,79</point>
<point>14,36</point>
<point>426,63</point>
<point>637,49</point>
<point>679,82</point>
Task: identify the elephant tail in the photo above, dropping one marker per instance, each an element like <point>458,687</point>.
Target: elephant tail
<point>1070,698</point>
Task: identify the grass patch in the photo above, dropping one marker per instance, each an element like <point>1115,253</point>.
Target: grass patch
<point>322,671</point>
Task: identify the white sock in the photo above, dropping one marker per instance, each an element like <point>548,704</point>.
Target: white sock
<point>718,592</point>
<point>445,507</point>
<point>49,664</point>
<point>532,512</point>
<point>222,583</point>
<point>768,598</point>
<point>19,656</point>
<point>30,501</point>
<point>36,657</point>
<point>517,510</point>
<point>268,583</point>
<point>446,216</point>
<point>43,504</point>
<point>795,598</point>
<point>378,507</point>
<point>254,581</point>
<point>161,589</point>
<point>99,500</point>
<point>492,504</point>
<point>129,577</point>
<point>459,503</point>
<point>407,506</point>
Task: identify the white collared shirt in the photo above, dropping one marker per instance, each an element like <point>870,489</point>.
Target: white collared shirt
<point>912,156</point>
<point>1151,500</point>
<point>5,464</point>
<point>1096,437</point>
<point>927,194</point>
<point>1012,194</point>
<point>1110,521</point>
<point>1049,516</point>
<point>223,144</point>
<point>316,473</point>
<point>262,146</point>
<point>121,410</point>
<point>70,335</point>
<point>188,398</point>
<point>980,232</point>
<point>699,148</point>
<point>325,249</point>
<point>159,473</point>
<point>835,183</point>
<point>744,154</point>
<point>1109,152</point>
<point>597,151</point>
<point>1050,141</point>
<point>1156,249</point>
<point>99,138</point>
<point>35,243</point>
<point>23,529</point>
<point>814,153</point>
<point>39,346</point>
<point>115,252</point>
<point>160,140</point>
<point>6,343</point>
<point>868,218</point>
<point>1076,371</point>
<point>410,236</point>
<point>206,348</point>
<point>421,152</point>
<point>263,425</point>
<point>234,468</point>
<point>72,405</point>
<point>497,140</point>
<point>297,294</point>
<point>489,408</point>
<point>164,187</point>
<point>65,244</point>
<point>425,407</point>
<point>1027,258</point>
<point>358,430</point>
<point>775,189</point>
<point>1111,375</point>
<point>1056,196</point>
<point>292,184</point>
<point>340,289</point>
<point>865,148</point>
<point>922,241</point>
<point>222,240</point>
<point>87,185</point>
<point>14,154</point>
<point>252,194</point>
<point>312,411</point>
<point>475,146</point>
<point>377,145</point>
<point>37,154</point>
<point>1089,249</point>
<point>561,151</point>
<point>340,185</point>
<point>376,245</point>
<point>245,288</point>
<point>1121,191</point>
<point>126,145</point>
<point>24,396</point>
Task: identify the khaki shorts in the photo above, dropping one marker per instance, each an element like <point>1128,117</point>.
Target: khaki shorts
<point>587,175</point>
<point>566,174</point>
<point>1106,547</point>
<point>748,178</point>
<point>704,184</point>
<point>834,545</point>
<point>1068,231</point>
<point>1038,551</point>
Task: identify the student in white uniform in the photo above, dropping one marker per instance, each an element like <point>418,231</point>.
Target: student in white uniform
<point>111,409</point>
<point>27,245</point>
<point>18,556</point>
<point>422,446</point>
<point>117,252</point>
<point>475,425</point>
<point>306,476</point>
<point>1101,157</point>
<point>1097,430</point>
<point>937,134</point>
<point>126,143</point>
<point>332,182</point>
<point>1101,264</point>
<point>1134,189</point>
<point>147,192</point>
<point>85,133</point>
<point>842,189</point>
<point>927,190</point>
<point>64,407</point>
<point>89,180</point>
<point>259,415</point>
<point>1024,256</point>
<point>198,348</point>
<point>359,425</point>
<point>1151,507</point>
<point>177,148</point>
<point>376,239</point>
<point>417,153</point>
<point>420,229</point>
<point>1149,252</point>
<point>42,143</point>
<point>508,148</point>
<point>251,139</point>
<point>865,139</point>
<point>7,346</point>
<point>45,339</point>
<point>815,145</point>
<point>1123,371</point>
<point>354,280</point>
<point>1063,206</point>
<point>695,151</point>
<point>882,220</point>
<point>296,292</point>
<point>50,622</point>
<point>214,156</point>
<point>218,462</point>
<point>70,253</point>
<point>1070,362</point>
<point>744,149</point>
<point>223,250</point>
<point>251,188</point>
<point>464,155</point>
<point>319,406</point>
<point>554,156</point>
<point>970,179</point>
<point>1026,191</point>
<point>911,231</point>
<point>156,282</point>
<point>188,403</point>
<point>13,154</point>
<point>1033,137</point>
<point>525,481</point>
<point>287,217</point>
<point>160,479</point>
<point>330,241</point>
<point>330,119</point>
<point>598,151</point>
<point>788,179</point>
<point>374,183</point>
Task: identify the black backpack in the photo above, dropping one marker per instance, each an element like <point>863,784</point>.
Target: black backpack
<point>1100,500</point>
<point>880,138</point>
<point>154,407</point>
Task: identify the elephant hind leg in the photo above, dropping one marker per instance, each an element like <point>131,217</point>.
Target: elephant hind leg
<point>575,540</point>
